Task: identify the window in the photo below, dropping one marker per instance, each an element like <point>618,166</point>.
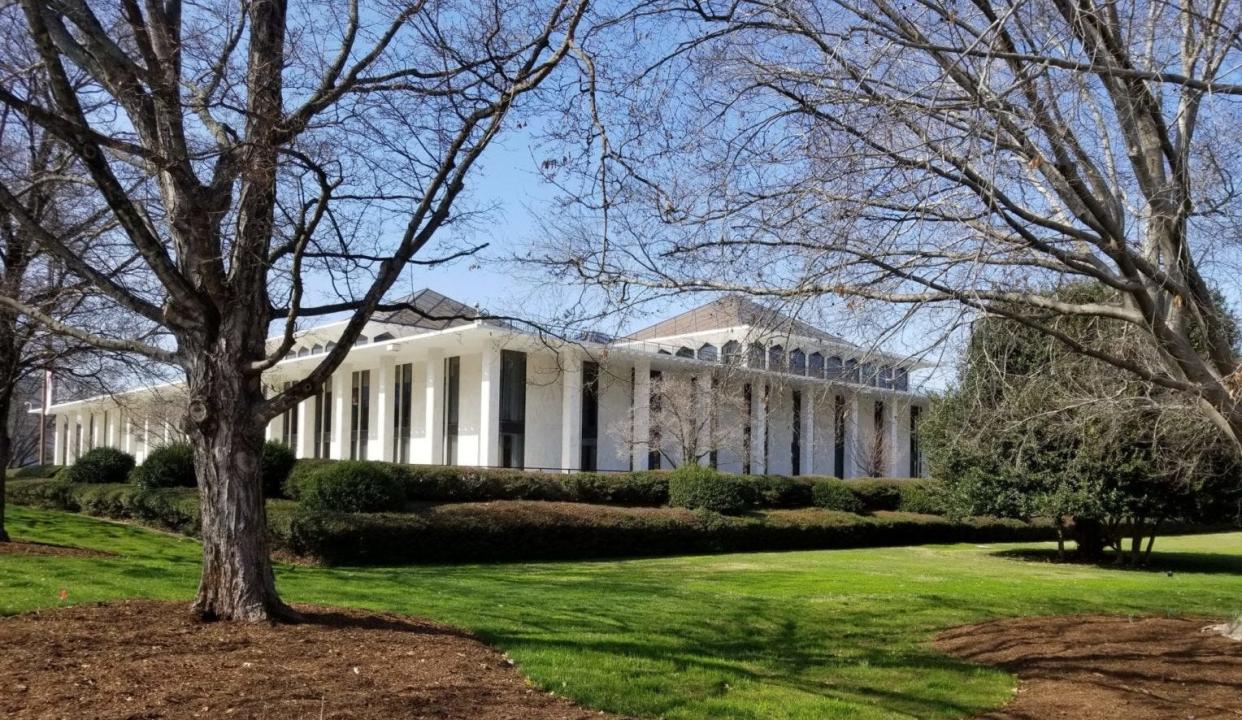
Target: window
<point>90,433</point>
<point>512,409</point>
<point>289,424</point>
<point>838,433</point>
<point>795,446</point>
<point>708,352</point>
<point>452,407</point>
<point>797,362</point>
<point>748,399</point>
<point>590,417</point>
<point>776,359</point>
<point>105,429</point>
<point>713,425</point>
<point>877,457</point>
<point>323,421</point>
<point>359,414</point>
<point>77,440</point>
<point>901,379</point>
<point>834,368</point>
<point>886,377</point>
<point>655,403</point>
<point>755,355</point>
<point>851,371</point>
<point>731,353</point>
<point>685,352</point>
<point>866,374</point>
<point>815,365</point>
<point>403,386</point>
<point>916,453</point>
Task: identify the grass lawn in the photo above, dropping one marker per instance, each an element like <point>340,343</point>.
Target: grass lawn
<point>829,634</point>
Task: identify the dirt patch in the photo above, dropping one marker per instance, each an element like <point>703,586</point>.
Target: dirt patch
<point>1092,667</point>
<point>25,547</point>
<point>149,660</point>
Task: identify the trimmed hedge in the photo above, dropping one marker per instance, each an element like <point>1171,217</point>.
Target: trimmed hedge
<point>833,494</point>
<point>40,472</point>
<point>695,487</point>
<point>170,465</point>
<point>521,530</point>
<point>278,461</point>
<point>353,486</point>
<point>100,465</point>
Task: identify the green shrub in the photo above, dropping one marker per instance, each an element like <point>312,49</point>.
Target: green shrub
<point>778,491</point>
<point>42,472</point>
<point>694,486</point>
<point>170,465</point>
<point>53,494</point>
<point>302,469</point>
<point>877,494</point>
<point>923,496</point>
<point>353,486</point>
<point>100,465</point>
<point>834,494</point>
<point>643,488</point>
<point>278,462</point>
<point>521,530</point>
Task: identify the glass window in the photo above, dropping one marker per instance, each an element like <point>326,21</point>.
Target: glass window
<point>732,353</point>
<point>708,352</point>
<point>797,362</point>
<point>795,446</point>
<point>590,416</point>
<point>512,409</point>
<point>289,424</point>
<point>403,377</point>
<point>323,420</point>
<point>815,365</point>
<point>776,358</point>
<point>655,403</point>
<point>359,414</point>
<point>838,432</point>
<point>452,407</point>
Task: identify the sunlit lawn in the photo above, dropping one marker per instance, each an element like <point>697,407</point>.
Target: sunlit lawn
<point>791,635</point>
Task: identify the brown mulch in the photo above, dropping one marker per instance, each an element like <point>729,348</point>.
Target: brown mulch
<point>1097,667</point>
<point>146,660</point>
<point>26,547</point>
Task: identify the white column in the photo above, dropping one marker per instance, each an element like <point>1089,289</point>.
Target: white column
<point>146,437</point>
<point>641,433</point>
<point>898,438</point>
<point>341,384</point>
<point>306,429</point>
<point>758,428</point>
<point>806,436</point>
<point>704,408</point>
<point>81,435</point>
<point>381,410</point>
<point>489,408</point>
<point>58,438</point>
<point>433,406</point>
<point>571,410</point>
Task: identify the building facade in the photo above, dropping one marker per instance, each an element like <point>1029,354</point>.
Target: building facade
<point>730,384</point>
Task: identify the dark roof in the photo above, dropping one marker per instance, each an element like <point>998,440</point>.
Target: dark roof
<point>732,311</point>
<point>430,310</point>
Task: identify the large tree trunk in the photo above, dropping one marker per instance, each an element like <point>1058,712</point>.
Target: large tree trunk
<point>237,582</point>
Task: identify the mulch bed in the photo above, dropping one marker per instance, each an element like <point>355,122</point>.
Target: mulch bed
<point>1096,667</point>
<point>25,547</point>
<point>147,660</point>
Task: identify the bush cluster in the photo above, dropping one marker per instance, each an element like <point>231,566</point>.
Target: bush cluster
<point>99,466</point>
<point>166,466</point>
<point>41,472</point>
<point>353,486</point>
<point>698,487</point>
<point>278,463</point>
<point>833,494</point>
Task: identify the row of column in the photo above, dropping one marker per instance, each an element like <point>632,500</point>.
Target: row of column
<point>74,434</point>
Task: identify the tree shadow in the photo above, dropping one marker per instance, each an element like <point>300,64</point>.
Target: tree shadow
<point>1169,562</point>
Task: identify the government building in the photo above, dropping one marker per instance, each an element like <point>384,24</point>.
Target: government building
<point>732,384</point>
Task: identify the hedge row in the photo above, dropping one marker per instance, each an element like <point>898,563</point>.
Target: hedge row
<point>524,530</point>
<point>721,492</point>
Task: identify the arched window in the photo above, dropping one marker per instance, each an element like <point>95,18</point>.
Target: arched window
<point>901,379</point>
<point>303,351</point>
<point>328,347</point>
<point>815,365</point>
<point>776,358</point>
<point>797,362</point>
<point>867,374</point>
<point>685,352</point>
<point>384,336</point>
<point>886,377</point>
<point>317,349</point>
<point>662,351</point>
<point>731,353</point>
<point>834,368</point>
<point>851,371</point>
<point>362,340</point>
<point>755,356</point>
<point>708,352</point>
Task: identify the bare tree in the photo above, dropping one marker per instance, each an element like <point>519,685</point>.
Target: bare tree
<point>942,154</point>
<point>692,417</point>
<point>245,149</point>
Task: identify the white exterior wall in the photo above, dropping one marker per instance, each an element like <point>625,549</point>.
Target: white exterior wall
<point>780,429</point>
<point>615,390</point>
<point>544,383</point>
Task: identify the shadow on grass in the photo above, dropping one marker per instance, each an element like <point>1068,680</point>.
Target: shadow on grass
<point>1207,563</point>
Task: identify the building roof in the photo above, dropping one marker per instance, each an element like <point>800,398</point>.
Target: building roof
<point>733,311</point>
<point>429,310</point>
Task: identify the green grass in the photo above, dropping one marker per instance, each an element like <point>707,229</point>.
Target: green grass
<point>827,634</point>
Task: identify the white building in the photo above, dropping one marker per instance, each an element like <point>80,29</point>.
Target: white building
<point>441,386</point>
